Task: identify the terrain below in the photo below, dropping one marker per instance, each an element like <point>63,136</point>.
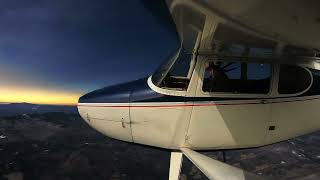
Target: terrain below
<point>52,146</point>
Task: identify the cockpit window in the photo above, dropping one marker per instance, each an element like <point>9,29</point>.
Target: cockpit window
<point>175,73</point>
<point>237,77</point>
<point>163,69</point>
<point>293,79</point>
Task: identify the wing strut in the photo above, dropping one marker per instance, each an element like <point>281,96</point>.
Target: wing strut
<point>213,169</point>
<point>175,165</point>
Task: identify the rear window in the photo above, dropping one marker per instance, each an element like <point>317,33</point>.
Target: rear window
<point>293,79</point>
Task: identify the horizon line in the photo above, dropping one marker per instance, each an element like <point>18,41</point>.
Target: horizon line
<point>54,104</point>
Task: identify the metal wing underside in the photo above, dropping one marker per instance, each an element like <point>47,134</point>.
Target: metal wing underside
<point>289,22</point>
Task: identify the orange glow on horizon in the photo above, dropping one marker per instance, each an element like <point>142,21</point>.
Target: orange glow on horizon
<point>18,95</point>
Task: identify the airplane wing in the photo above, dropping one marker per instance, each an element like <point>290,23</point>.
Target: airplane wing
<point>292,21</point>
<point>213,169</point>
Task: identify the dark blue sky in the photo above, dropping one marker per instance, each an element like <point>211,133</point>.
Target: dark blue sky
<point>79,45</point>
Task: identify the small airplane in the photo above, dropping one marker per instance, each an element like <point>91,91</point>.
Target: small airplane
<point>246,75</point>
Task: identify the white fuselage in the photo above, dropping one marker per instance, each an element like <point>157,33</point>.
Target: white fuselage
<point>175,119</point>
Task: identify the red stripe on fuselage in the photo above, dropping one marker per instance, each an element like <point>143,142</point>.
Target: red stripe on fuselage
<point>165,106</point>
<point>192,105</point>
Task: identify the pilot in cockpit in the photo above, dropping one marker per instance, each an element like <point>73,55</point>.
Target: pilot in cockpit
<point>218,80</point>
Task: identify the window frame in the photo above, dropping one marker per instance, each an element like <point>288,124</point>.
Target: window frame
<point>278,78</point>
<point>236,95</point>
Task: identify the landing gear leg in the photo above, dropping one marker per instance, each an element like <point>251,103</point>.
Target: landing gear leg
<point>175,165</point>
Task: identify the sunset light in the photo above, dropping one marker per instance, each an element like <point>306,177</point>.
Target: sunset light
<point>38,96</point>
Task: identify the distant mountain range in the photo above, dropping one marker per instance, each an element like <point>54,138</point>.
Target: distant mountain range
<point>27,108</point>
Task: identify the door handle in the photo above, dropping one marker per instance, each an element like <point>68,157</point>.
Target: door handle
<point>122,122</point>
<point>263,101</point>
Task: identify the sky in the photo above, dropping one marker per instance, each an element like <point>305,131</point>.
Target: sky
<point>54,51</point>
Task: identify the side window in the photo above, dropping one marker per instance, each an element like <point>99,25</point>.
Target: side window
<point>293,79</point>
<point>237,77</point>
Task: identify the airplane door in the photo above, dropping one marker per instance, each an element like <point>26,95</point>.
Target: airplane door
<point>292,113</point>
<point>231,109</point>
